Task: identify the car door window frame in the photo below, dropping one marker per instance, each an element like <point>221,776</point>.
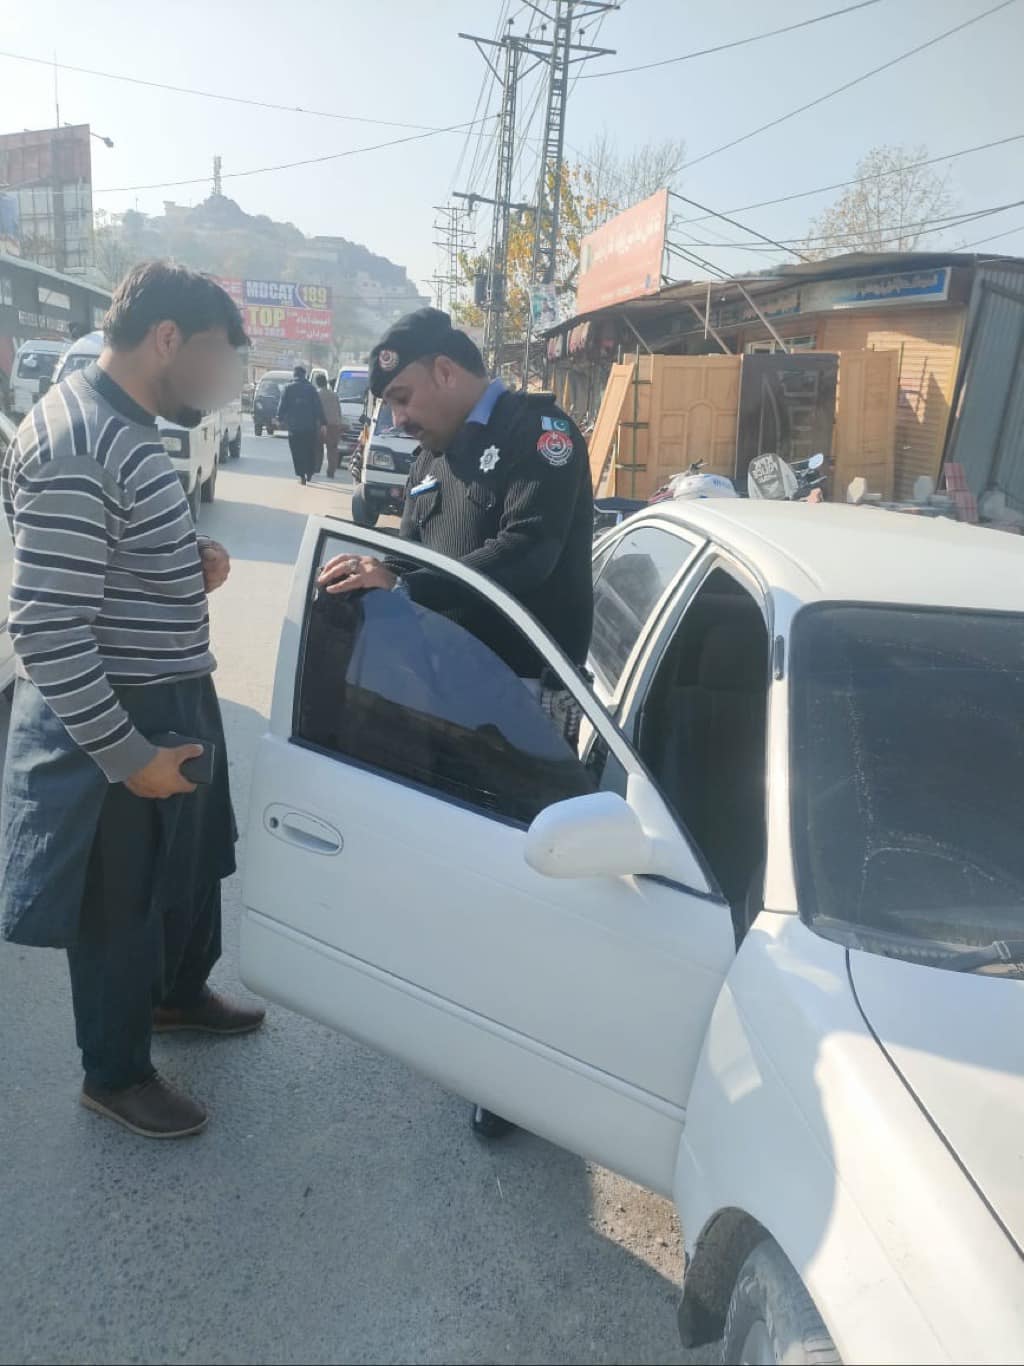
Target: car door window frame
<point>681,533</point>
<point>285,706</point>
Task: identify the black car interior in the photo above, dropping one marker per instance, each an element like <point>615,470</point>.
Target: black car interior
<point>702,735</point>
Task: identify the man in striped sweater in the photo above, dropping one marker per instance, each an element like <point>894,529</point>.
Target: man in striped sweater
<point>106,848</point>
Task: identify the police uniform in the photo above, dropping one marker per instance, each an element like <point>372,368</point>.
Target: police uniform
<point>511,497</point>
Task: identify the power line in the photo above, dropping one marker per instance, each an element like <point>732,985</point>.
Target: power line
<point>210,94</point>
<point>742,226</point>
<point>980,242</point>
<point>284,166</point>
<point>724,47</point>
<point>847,85</point>
<point>949,221</point>
<point>860,180</point>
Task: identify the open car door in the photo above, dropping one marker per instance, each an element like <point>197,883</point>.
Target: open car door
<point>431,869</point>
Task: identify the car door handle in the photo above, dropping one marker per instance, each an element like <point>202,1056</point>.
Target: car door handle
<point>297,827</point>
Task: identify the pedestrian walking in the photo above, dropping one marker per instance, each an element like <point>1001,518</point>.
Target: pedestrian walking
<point>107,848</point>
<point>502,483</point>
<point>330,407</point>
<point>300,411</point>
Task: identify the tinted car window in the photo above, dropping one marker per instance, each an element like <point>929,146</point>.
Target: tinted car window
<point>629,586</point>
<point>908,777</point>
<point>406,691</point>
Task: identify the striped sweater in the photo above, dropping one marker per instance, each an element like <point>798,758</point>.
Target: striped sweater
<point>107,589</point>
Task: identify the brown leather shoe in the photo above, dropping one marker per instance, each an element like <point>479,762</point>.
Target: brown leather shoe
<point>212,1014</point>
<point>152,1109</point>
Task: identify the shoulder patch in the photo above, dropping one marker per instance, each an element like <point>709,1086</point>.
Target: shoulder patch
<point>555,448</point>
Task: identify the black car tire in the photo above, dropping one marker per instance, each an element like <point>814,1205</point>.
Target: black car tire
<point>771,1316</point>
<point>195,499</point>
<point>209,489</point>
<point>363,512</point>
<point>235,445</point>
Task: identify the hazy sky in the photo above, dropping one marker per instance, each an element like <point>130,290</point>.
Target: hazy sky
<point>403,62</point>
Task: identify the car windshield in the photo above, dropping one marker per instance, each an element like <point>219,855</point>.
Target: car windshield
<point>907,777</point>
<point>37,365</point>
<point>351,388</point>
<point>269,388</point>
<point>385,424</point>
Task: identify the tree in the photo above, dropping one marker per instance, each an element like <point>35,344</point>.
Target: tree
<point>890,208</point>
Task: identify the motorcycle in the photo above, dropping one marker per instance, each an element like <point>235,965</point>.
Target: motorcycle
<point>693,483</point>
<point>771,477</point>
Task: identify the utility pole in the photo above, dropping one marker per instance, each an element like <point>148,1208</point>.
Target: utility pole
<point>451,240</point>
<point>562,53</point>
<point>218,184</point>
<point>559,52</point>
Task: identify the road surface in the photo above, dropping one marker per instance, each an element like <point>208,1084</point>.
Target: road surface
<point>337,1209</point>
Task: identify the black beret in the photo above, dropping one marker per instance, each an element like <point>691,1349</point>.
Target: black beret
<point>427,332</point>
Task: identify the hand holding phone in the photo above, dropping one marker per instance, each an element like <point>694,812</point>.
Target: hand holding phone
<point>198,770</point>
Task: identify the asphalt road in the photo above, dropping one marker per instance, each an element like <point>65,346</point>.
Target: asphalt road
<point>337,1209</point>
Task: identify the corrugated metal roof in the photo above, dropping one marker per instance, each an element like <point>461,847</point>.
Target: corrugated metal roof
<point>669,298</point>
<point>988,436</point>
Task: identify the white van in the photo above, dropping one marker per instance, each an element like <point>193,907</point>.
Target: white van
<point>33,361</point>
<point>197,452</point>
<point>352,387</point>
<point>386,463</point>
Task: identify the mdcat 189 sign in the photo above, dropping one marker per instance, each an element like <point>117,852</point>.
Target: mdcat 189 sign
<point>283,310</point>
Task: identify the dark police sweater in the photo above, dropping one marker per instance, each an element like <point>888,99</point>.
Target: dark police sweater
<point>513,500</point>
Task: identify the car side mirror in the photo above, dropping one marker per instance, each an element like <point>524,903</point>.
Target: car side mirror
<point>598,835</point>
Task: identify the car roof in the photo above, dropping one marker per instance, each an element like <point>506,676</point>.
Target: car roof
<point>275,374</point>
<point>839,552</point>
<point>43,344</point>
<point>91,344</point>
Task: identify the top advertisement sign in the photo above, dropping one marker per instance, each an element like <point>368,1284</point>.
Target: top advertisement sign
<point>281,310</point>
<point>622,259</point>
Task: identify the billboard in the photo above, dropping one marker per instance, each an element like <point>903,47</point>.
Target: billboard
<point>280,310</point>
<point>622,259</point>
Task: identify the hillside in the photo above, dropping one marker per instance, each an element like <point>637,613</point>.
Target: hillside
<point>218,236</point>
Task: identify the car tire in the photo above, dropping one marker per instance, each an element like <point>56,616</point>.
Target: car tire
<point>195,499</point>
<point>209,488</point>
<point>362,513</point>
<point>771,1317</point>
<point>235,445</point>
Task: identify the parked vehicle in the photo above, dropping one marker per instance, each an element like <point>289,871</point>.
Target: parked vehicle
<point>7,434</point>
<point>769,476</point>
<point>386,463</point>
<point>758,946</point>
<point>266,400</point>
<point>353,389</point>
<point>34,366</point>
<point>197,451</point>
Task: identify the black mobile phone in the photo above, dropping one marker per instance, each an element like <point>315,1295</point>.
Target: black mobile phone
<point>198,770</point>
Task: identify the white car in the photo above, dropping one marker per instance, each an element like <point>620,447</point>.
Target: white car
<point>759,948</point>
<point>386,462</point>
<point>7,435</point>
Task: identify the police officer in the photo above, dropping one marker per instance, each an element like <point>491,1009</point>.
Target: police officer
<point>502,483</point>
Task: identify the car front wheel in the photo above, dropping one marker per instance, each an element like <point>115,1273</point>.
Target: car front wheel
<point>772,1318</point>
<point>209,489</point>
